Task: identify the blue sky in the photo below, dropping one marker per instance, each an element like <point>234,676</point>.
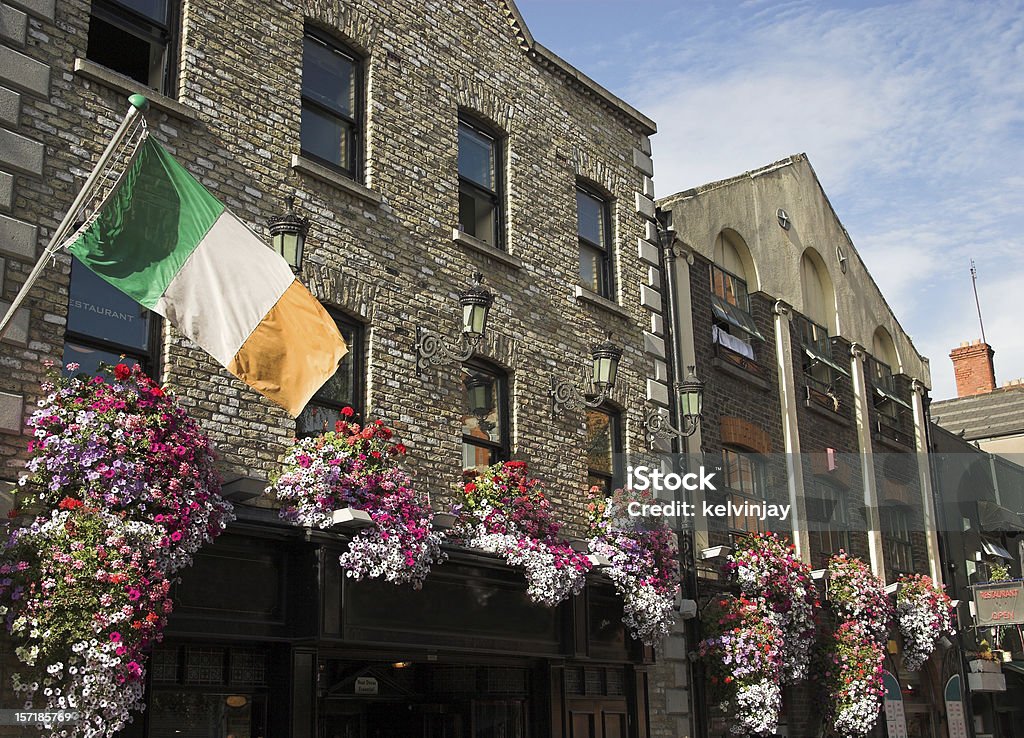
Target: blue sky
<point>912,114</point>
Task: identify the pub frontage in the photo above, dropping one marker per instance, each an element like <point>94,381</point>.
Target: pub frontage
<point>270,638</point>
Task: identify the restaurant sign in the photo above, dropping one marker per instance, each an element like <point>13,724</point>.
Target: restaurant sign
<point>999,603</point>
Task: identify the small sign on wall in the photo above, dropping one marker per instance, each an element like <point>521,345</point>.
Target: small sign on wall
<point>366,685</point>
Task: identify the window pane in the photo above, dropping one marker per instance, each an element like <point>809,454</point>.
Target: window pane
<point>126,52</point>
<point>325,137</point>
<point>481,401</point>
<point>90,358</point>
<point>591,269</point>
<point>591,218</point>
<point>316,419</point>
<point>599,441</point>
<point>476,215</point>
<point>476,457</point>
<point>476,157</point>
<point>328,76</point>
<point>97,309</point>
<point>153,9</point>
<point>602,483</point>
<point>194,714</point>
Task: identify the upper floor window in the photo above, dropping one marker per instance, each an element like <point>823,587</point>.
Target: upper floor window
<point>593,228</point>
<point>134,37</point>
<point>818,364</point>
<point>344,389</point>
<point>331,115</point>
<point>105,324</point>
<point>828,521</point>
<point>604,444</point>
<point>484,416</point>
<point>743,477</point>
<point>480,203</point>
<point>733,326</point>
<point>899,553</point>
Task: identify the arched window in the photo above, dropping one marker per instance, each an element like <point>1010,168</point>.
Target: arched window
<point>816,325</point>
<point>485,437</point>
<point>733,325</point>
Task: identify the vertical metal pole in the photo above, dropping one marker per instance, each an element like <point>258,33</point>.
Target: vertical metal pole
<point>138,104</point>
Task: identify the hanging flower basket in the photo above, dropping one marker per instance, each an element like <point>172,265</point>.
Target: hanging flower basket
<point>853,675</point>
<point>767,568</point>
<point>854,593</point>
<point>639,556</point>
<point>352,473</point>
<point>126,446</point>
<point>126,491</point>
<point>853,655</point>
<point>503,511</point>
<point>924,613</point>
<point>744,663</point>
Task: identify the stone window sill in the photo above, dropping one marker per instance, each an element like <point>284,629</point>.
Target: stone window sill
<point>475,244</point>
<point>127,86</point>
<point>328,176</point>
<point>825,413</point>
<point>736,372</point>
<point>610,306</point>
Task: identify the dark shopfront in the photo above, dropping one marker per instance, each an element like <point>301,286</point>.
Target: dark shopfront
<point>269,639</point>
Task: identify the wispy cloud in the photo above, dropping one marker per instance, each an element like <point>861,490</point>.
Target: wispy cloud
<point>912,114</point>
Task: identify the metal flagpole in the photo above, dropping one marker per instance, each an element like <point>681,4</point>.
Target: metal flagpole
<point>138,105</point>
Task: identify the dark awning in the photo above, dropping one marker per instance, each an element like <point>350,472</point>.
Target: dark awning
<point>994,518</point>
<point>735,316</point>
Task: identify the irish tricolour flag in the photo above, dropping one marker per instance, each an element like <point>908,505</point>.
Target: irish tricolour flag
<point>165,241</point>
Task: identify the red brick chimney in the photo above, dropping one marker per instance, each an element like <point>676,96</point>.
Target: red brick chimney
<point>972,365</point>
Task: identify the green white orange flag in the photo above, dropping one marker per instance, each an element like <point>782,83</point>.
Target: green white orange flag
<point>161,238</point>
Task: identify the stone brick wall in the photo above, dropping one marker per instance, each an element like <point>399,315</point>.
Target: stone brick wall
<point>382,250</point>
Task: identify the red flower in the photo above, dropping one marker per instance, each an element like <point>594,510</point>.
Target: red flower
<point>399,448</point>
<point>69,503</point>
<point>156,392</point>
<point>347,412</point>
<point>121,371</point>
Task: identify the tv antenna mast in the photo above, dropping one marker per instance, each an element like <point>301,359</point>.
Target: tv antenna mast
<point>974,283</point>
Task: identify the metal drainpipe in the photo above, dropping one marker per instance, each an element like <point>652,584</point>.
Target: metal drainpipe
<point>674,362</point>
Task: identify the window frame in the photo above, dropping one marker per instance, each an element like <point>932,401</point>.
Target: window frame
<point>358,354</point>
<point>897,548</point>
<point>148,358</point>
<point>354,123</point>
<point>615,432</point>
<point>606,255</point>
<point>738,495</point>
<point>818,364</point>
<point>821,553</point>
<point>501,449</point>
<point>497,196</point>
<point>166,34</point>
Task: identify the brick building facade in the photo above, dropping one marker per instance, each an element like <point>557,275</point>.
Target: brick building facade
<point>425,143</point>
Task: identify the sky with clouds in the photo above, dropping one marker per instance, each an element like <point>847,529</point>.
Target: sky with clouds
<point>912,114</point>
